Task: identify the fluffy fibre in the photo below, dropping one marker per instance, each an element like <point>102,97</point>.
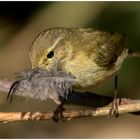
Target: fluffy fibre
<point>41,85</point>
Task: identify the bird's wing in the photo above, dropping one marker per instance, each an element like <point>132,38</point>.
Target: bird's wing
<point>104,47</point>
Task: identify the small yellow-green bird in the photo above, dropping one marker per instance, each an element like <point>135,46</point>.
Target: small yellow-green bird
<point>90,55</point>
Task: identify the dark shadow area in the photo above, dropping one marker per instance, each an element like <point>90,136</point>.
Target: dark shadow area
<point>15,15</point>
<point>19,11</point>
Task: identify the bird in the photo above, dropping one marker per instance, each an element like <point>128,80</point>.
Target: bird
<point>91,56</point>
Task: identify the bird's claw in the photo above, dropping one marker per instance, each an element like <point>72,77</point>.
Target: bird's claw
<point>58,113</point>
<point>114,108</point>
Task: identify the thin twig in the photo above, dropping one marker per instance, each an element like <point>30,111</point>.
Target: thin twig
<point>132,53</point>
<point>6,117</point>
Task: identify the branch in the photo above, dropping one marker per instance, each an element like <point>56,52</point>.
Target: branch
<point>100,102</point>
<point>132,53</point>
<point>130,106</point>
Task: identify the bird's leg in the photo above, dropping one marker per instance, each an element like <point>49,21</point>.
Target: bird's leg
<point>58,113</point>
<point>114,108</point>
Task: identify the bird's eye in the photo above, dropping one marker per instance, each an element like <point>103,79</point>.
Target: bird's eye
<point>50,54</point>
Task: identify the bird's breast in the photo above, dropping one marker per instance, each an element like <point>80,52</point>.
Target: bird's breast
<point>89,74</point>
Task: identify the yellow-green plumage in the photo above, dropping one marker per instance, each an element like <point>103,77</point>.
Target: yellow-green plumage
<point>92,56</point>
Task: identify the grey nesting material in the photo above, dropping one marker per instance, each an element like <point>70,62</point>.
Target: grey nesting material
<point>41,85</point>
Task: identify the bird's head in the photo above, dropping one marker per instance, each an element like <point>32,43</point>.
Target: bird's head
<point>50,48</point>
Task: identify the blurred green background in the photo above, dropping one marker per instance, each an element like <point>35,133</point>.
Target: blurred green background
<point>20,22</point>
